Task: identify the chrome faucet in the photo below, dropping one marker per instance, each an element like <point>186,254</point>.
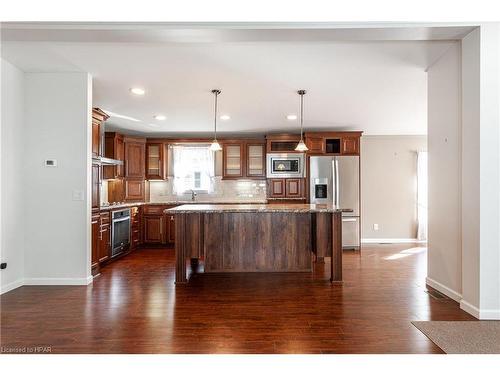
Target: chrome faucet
<point>193,194</point>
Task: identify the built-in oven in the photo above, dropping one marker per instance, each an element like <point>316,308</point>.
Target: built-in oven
<point>120,231</point>
<point>285,166</point>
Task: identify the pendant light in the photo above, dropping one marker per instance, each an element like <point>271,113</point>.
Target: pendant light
<point>301,146</point>
<point>215,146</point>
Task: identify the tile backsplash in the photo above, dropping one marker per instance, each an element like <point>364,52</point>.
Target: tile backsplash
<point>237,190</point>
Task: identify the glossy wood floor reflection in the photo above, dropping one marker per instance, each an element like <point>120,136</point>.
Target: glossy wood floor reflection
<point>133,307</point>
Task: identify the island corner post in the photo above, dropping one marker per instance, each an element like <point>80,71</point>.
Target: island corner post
<point>256,238</point>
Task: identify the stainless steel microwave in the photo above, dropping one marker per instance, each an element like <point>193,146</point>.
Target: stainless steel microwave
<point>285,166</point>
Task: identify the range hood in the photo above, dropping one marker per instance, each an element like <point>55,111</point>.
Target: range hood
<point>102,160</point>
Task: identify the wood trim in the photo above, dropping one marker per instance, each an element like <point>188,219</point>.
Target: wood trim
<point>336,263</point>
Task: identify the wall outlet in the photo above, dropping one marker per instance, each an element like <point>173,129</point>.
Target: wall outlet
<point>3,266</point>
<point>375,226</point>
<point>50,162</point>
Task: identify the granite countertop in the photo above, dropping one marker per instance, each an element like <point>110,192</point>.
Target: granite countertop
<point>171,203</point>
<point>220,208</point>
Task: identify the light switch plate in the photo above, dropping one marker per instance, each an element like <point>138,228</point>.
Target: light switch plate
<point>77,195</point>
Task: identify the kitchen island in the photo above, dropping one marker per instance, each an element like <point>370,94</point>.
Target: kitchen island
<point>256,237</point>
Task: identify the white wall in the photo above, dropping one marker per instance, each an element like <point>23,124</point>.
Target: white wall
<point>12,172</point>
<point>57,228</point>
<point>470,167</point>
<point>388,186</point>
<point>444,270</point>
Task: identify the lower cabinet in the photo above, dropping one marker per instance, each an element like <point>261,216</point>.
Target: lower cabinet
<point>95,225</point>
<point>159,228</point>
<point>286,188</point>
<point>104,237</point>
<point>170,228</point>
<point>154,229</point>
<point>135,228</point>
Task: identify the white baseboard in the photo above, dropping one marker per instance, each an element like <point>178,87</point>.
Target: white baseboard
<point>10,286</point>
<point>478,313</point>
<point>469,308</point>
<point>58,281</point>
<point>454,295</point>
<point>392,240</point>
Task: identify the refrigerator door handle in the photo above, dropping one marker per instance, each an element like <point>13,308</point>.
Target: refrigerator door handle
<point>336,182</point>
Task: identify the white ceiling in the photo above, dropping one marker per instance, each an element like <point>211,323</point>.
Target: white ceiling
<point>377,86</point>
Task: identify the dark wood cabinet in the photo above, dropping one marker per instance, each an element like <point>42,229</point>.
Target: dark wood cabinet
<point>286,188</point>
<point>170,221</point>
<point>98,117</point>
<point>233,162</point>
<point>156,161</point>
<point>95,227</point>
<point>350,146</point>
<point>243,159</point>
<point>277,188</point>
<point>135,227</point>
<point>104,252</point>
<point>154,229</point>
<point>134,189</point>
<point>294,187</point>
<point>255,155</point>
<point>316,145</point>
<point>135,164</point>
<point>114,148</point>
<point>282,143</point>
<point>333,143</point>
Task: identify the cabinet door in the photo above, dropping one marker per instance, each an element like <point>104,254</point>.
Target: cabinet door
<point>95,243</point>
<point>96,186</point>
<point>134,160</point>
<point>155,169</point>
<point>256,160</point>
<point>294,187</point>
<point>96,138</point>
<point>153,229</point>
<point>232,160</point>
<point>350,146</point>
<point>277,188</point>
<point>134,190</point>
<point>315,145</point>
<point>170,228</point>
<point>104,242</point>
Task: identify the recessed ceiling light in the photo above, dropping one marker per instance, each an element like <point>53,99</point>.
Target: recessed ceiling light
<point>291,117</point>
<point>160,117</point>
<point>225,117</point>
<point>137,91</point>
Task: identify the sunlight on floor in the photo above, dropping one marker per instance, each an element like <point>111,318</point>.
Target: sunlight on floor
<point>407,252</point>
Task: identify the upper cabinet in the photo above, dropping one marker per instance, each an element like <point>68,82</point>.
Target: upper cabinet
<point>282,143</point>
<point>233,159</point>
<point>256,159</point>
<point>333,143</point>
<point>243,159</point>
<point>98,117</point>
<point>156,161</point>
<point>114,148</point>
<point>135,150</point>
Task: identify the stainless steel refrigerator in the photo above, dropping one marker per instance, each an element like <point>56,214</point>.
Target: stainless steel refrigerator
<point>335,180</point>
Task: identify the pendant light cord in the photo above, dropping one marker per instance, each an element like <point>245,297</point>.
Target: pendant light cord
<point>301,93</point>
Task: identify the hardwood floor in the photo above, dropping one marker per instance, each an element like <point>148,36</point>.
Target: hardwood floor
<point>134,307</point>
